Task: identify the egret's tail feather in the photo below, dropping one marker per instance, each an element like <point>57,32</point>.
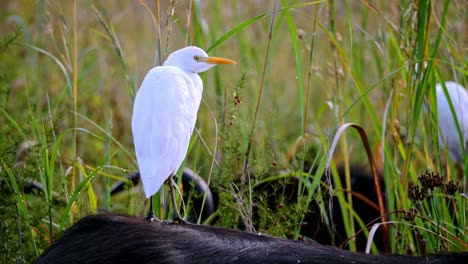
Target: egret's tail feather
<point>152,178</point>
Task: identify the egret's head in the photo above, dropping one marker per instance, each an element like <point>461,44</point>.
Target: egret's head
<point>194,59</point>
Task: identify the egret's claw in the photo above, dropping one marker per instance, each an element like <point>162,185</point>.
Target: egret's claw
<point>176,219</point>
<point>168,222</point>
<point>180,221</point>
<point>151,218</point>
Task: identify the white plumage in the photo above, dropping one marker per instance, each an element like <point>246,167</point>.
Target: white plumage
<point>165,113</point>
<point>448,132</point>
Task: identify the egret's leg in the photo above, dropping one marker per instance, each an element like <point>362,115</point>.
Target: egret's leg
<point>151,217</point>
<point>175,217</point>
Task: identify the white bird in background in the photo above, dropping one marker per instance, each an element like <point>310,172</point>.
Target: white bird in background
<point>448,131</point>
<point>164,116</point>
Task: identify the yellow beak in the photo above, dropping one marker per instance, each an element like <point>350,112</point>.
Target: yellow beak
<point>217,60</point>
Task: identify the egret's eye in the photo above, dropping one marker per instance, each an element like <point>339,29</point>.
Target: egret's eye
<point>197,58</point>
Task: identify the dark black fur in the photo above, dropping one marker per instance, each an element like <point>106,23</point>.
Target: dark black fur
<point>107,238</point>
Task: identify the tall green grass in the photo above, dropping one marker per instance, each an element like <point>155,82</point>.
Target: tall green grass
<point>306,70</point>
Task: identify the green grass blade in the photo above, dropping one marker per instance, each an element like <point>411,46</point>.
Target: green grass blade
<point>14,123</point>
<point>20,201</point>
<point>75,194</point>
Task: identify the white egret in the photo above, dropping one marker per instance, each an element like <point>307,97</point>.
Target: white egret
<point>448,132</point>
<point>164,116</point>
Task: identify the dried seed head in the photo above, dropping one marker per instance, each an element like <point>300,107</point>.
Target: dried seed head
<point>450,188</point>
<point>398,235</point>
<point>416,194</point>
<point>410,214</point>
<point>430,180</point>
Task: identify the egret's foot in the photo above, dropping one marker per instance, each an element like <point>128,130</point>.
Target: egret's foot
<point>176,219</point>
<point>152,218</point>
<point>168,222</point>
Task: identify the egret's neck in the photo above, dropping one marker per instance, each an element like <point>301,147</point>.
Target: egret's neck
<point>195,91</point>
<point>197,81</point>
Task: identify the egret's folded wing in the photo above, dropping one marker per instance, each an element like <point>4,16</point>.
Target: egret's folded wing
<point>158,126</point>
<point>464,116</point>
<point>458,96</point>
